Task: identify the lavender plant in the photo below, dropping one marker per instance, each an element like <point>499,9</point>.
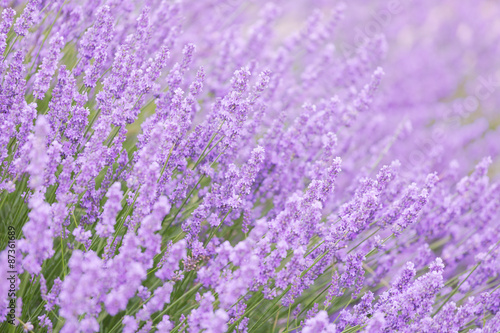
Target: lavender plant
<point>248,166</point>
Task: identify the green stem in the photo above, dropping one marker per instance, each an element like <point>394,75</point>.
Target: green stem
<point>461,283</point>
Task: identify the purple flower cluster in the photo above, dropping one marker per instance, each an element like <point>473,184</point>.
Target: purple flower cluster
<point>246,166</point>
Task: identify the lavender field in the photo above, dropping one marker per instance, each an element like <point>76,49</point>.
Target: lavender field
<point>250,166</point>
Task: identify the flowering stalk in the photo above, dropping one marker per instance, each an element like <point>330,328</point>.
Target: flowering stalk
<point>201,166</point>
